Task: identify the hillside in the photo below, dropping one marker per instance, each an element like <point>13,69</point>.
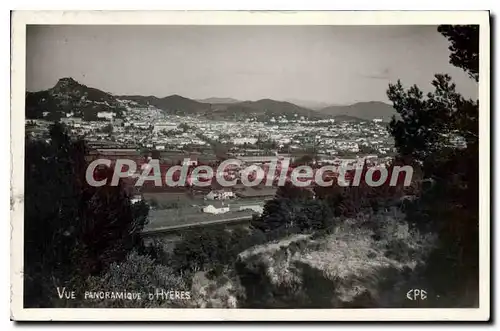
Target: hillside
<point>347,118</point>
<point>180,105</point>
<point>69,96</point>
<point>314,105</point>
<point>364,110</point>
<point>141,99</point>
<point>354,266</point>
<point>266,108</point>
<point>173,104</point>
<point>222,109</point>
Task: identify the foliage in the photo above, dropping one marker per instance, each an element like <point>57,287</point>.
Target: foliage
<point>351,267</point>
<point>450,207</point>
<point>464,47</point>
<point>108,128</point>
<point>71,229</point>
<point>136,274</point>
<point>293,209</point>
<point>424,136</point>
<point>427,124</point>
<point>211,249</point>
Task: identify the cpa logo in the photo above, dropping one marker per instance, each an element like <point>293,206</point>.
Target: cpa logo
<point>416,294</point>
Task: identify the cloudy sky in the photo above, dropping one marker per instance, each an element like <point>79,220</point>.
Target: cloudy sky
<point>334,64</point>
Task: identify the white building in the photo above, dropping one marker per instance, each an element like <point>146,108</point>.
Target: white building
<point>192,161</point>
<point>220,195</point>
<point>142,125</point>
<point>105,114</point>
<point>159,127</point>
<point>242,141</point>
<point>216,209</point>
<point>135,199</point>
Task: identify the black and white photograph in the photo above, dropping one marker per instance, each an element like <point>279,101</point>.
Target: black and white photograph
<point>251,166</point>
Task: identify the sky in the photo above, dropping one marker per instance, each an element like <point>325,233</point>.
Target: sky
<point>332,64</point>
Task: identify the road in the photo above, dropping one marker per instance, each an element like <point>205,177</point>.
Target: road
<point>221,220</point>
<point>169,220</point>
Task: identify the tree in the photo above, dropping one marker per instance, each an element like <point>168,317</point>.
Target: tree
<point>464,47</point>
<point>108,128</point>
<point>72,230</point>
<point>293,209</point>
<point>136,274</point>
<point>221,151</point>
<point>208,249</point>
<point>306,159</point>
<point>451,206</point>
<point>427,124</point>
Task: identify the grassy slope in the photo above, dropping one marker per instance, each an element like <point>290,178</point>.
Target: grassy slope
<point>355,266</point>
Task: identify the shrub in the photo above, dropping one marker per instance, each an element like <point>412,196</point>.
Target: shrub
<point>137,274</point>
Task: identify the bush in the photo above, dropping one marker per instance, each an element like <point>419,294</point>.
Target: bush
<point>71,229</point>
<point>137,274</point>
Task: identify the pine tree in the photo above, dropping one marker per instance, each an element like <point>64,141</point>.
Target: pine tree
<point>451,206</point>
<point>71,229</point>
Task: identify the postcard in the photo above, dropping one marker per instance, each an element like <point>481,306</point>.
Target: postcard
<point>250,166</point>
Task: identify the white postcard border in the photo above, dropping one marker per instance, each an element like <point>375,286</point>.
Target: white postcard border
<point>19,21</point>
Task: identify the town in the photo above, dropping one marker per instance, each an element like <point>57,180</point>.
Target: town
<point>145,132</point>
<point>278,167</point>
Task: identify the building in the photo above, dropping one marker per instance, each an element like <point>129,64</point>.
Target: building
<point>159,127</point>
<point>192,161</point>
<point>140,125</point>
<point>242,141</point>
<point>216,208</point>
<point>135,199</point>
<point>220,195</point>
<point>105,114</point>
<point>71,120</point>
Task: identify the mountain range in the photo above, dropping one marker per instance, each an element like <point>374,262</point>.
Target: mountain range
<point>218,100</point>
<point>69,96</point>
<point>314,105</point>
<point>365,110</point>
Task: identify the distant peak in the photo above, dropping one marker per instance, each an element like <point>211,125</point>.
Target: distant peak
<point>65,82</point>
<point>370,103</point>
<point>176,96</point>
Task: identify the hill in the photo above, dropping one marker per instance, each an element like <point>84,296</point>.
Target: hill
<point>181,105</point>
<point>347,118</point>
<point>364,110</point>
<point>346,268</point>
<point>174,104</point>
<point>267,108</point>
<point>69,96</point>
<point>141,99</point>
<point>262,109</point>
<point>314,105</point>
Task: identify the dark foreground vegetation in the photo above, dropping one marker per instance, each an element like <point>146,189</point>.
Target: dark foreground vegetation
<point>335,247</point>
